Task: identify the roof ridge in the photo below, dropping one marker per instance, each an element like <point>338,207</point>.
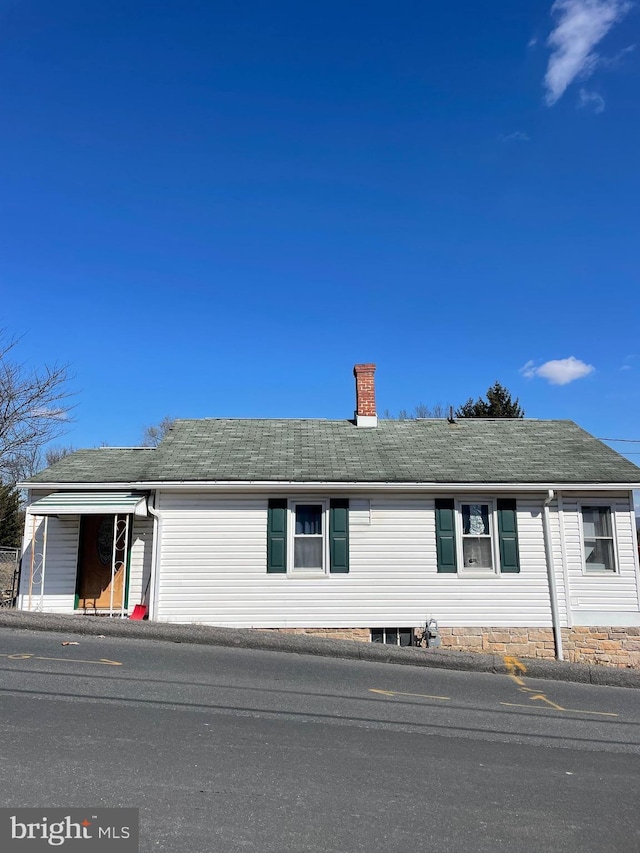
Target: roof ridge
<point>319,450</point>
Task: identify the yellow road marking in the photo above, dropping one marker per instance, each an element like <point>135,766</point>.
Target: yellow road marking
<point>570,710</point>
<point>514,665</point>
<point>103,661</point>
<point>543,698</point>
<point>395,693</point>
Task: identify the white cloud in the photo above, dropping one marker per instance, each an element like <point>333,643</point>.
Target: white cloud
<point>559,371</point>
<point>627,361</point>
<point>591,99</point>
<point>582,24</point>
<point>616,61</point>
<point>516,136</point>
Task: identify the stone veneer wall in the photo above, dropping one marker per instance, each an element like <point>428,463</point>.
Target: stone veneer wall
<point>619,647</point>
<point>361,634</point>
<point>611,646</point>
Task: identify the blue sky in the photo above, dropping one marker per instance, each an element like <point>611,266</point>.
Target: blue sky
<point>216,209</point>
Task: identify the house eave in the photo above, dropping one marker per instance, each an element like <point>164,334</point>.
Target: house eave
<point>356,485</point>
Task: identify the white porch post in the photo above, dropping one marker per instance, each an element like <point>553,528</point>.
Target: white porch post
<point>120,550</point>
<point>38,562</point>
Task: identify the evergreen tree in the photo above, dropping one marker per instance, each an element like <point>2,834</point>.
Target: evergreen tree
<point>11,516</point>
<point>497,405</point>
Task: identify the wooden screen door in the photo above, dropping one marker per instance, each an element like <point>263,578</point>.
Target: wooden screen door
<point>95,564</point>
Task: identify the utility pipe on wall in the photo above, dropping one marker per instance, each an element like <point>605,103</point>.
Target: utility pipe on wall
<point>553,593</point>
<point>155,558</point>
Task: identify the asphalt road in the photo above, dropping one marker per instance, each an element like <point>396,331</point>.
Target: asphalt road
<point>230,750</point>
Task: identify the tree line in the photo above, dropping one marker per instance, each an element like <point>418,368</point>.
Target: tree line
<point>497,403</point>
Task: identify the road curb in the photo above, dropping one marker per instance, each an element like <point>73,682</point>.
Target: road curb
<point>320,646</point>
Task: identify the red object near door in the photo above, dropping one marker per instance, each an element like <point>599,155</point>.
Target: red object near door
<point>139,611</point>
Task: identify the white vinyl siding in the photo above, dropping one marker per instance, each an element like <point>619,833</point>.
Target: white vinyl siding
<point>360,511</point>
<point>140,562</point>
<point>519,599</point>
<point>558,558</point>
<point>60,565</point>
<point>604,592</point>
<point>213,560</point>
<point>212,557</point>
<point>213,553</point>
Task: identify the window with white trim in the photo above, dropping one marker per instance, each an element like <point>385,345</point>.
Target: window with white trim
<point>476,536</point>
<point>308,536</point>
<point>598,541</point>
<point>308,540</point>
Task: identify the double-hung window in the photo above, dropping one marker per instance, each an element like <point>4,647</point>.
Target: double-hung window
<point>308,536</point>
<point>477,536</point>
<point>308,545</point>
<point>476,532</point>
<point>598,540</point>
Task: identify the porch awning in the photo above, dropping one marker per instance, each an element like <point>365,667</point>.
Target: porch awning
<point>91,503</point>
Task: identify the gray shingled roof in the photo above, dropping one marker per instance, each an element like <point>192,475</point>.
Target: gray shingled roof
<point>104,465</point>
<point>316,451</point>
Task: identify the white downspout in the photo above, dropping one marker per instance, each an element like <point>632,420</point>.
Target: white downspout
<point>563,554</point>
<point>553,593</point>
<point>154,586</point>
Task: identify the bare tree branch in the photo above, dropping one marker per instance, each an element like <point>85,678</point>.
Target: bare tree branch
<point>153,435</point>
<point>55,454</point>
<point>34,410</point>
<point>420,410</point>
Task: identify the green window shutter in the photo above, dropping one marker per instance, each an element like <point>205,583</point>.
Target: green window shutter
<point>508,536</point>
<point>277,536</point>
<point>339,536</point>
<point>446,535</point>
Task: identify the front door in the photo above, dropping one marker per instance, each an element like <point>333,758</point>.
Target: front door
<point>96,576</point>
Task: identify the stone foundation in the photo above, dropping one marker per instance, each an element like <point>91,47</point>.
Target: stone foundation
<point>609,646</point>
<point>619,647</point>
<point>363,635</point>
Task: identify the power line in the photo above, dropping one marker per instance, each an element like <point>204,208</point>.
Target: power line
<point>632,440</point>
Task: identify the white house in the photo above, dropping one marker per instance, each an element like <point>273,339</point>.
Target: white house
<point>517,536</point>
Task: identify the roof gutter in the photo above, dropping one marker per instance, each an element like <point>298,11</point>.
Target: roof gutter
<point>292,486</point>
<point>553,592</point>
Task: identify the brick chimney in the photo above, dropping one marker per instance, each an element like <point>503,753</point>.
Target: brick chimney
<point>365,413</point>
